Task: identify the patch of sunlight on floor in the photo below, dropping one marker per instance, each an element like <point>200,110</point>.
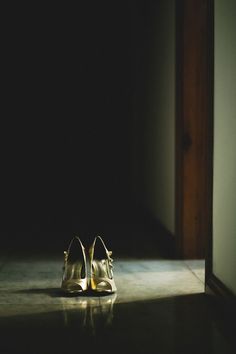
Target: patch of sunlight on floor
<point>34,286</point>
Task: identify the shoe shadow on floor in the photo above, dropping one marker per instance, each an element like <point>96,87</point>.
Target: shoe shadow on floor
<point>52,292</point>
<point>57,292</point>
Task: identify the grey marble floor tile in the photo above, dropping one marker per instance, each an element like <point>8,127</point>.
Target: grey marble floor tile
<point>38,283</point>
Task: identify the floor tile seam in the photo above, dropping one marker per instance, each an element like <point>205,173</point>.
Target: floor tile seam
<point>196,276</point>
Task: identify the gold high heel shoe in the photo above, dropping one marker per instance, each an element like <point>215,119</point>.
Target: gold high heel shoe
<point>75,278</point>
<point>101,273</point>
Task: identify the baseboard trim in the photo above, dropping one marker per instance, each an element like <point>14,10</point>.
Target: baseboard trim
<point>223,297</point>
<point>223,304</point>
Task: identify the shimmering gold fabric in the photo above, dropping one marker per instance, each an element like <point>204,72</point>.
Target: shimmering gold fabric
<point>75,278</point>
<point>101,277</point>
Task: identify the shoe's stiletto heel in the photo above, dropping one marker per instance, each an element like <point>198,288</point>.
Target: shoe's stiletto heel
<point>101,273</point>
<point>75,280</point>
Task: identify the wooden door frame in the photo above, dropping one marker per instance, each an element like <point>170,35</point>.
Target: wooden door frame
<point>194,128</point>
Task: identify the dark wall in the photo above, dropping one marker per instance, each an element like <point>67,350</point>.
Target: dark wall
<point>154,115</point>
<point>72,76</point>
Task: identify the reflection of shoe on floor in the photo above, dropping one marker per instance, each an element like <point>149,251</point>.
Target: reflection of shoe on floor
<point>106,305</point>
<point>90,313</point>
<point>101,312</point>
<point>75,279</point>
<point>101,273</point>
<point>75,311</point>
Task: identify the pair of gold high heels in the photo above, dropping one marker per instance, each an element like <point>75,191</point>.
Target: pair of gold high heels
<point>76,277</point>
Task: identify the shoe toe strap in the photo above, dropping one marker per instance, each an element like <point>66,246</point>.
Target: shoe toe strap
<point>75,285</point>
<point>105,284</point>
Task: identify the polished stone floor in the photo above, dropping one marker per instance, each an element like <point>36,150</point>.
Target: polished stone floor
<point>160,307</point>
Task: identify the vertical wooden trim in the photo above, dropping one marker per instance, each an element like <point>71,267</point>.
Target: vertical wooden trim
<point>179,127</point>
<point>193,127</point>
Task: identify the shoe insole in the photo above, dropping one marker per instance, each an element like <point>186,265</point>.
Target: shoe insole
<point>75,270</point>
<point>76,263</point>
<point>100,268</point>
